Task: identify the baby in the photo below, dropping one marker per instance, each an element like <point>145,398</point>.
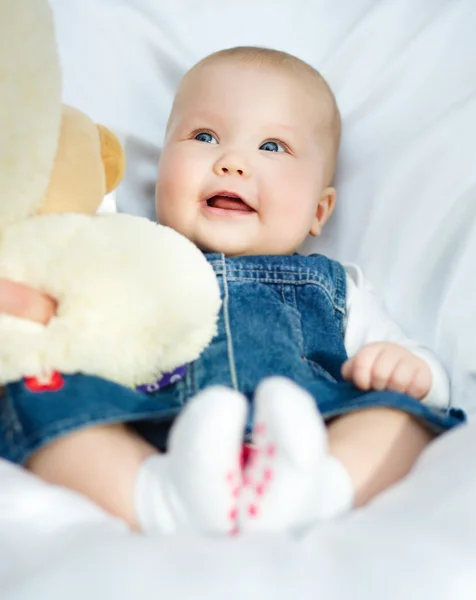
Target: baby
<point>341,402</point>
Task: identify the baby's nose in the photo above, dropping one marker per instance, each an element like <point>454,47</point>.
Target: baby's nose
<point>232,165</point>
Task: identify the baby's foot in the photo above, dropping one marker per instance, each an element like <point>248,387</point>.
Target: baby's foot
<point>195,486</point>
<point>290,480</point>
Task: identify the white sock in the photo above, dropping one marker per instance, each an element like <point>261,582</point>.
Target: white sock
<point>291,479</point>
<point>195,485</point>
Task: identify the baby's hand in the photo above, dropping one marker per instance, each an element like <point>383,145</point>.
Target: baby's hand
<point>19,300</point>
<point>388,366</point>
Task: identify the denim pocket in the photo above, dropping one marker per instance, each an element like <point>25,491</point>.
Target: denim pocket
<point>318,370</point>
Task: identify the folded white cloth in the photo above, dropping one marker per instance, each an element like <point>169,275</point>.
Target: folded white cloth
<point>416,541</point>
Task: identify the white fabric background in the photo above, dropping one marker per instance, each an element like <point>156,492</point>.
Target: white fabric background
<point>404,73</point>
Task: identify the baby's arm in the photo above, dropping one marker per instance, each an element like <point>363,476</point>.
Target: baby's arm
<point>381,356</point>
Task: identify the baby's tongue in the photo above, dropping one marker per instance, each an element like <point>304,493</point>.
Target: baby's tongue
<point>229,203</point>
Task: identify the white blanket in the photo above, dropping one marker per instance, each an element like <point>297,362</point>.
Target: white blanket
<point>417,541</point>
<point>405,76</point>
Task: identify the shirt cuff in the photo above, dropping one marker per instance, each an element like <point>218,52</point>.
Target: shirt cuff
<point>440,393</point>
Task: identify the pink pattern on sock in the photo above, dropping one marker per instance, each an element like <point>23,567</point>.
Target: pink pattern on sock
<point>259,473</point>
<point>260,489</point>
<point>253,456</point>
<point>260,428</point>
<point>271,450</point>
<point>233,514</point>
<point>268,474</point>
<point>233,478</point>
<point>247,480</point>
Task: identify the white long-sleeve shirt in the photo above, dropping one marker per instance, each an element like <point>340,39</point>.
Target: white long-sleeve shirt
<point>367,321</point>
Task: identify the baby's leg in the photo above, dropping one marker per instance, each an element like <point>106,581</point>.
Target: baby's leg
<point>378,447</point>
<point>300,473</point>
<point>194,487</point>
<point>101,463</point>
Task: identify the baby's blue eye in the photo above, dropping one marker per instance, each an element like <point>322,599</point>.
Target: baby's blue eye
<point>270,146</point>
<point>206,137</point>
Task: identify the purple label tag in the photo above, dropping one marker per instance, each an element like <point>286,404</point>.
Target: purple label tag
<point>166,380</point>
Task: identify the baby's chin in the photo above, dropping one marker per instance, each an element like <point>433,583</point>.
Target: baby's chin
<point>228,247</point>
<point>231,249</point>
<point>242,243</point>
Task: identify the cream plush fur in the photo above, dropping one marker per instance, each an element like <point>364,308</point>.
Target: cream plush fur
<point>30,106</point>
<point>135,299</point>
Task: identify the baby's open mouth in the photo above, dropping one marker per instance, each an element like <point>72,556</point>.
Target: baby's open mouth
<point>228,201</point>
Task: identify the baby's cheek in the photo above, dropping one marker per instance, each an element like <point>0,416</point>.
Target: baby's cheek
<point>297,204</point>
<point>281,193</point>
<point>168,175</point>
<point>170,191</point>
<point>163,202</point>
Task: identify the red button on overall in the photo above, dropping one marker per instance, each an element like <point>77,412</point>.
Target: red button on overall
<point>52,383</point>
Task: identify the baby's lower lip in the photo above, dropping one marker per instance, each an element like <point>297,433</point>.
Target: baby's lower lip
<point>225,212</point>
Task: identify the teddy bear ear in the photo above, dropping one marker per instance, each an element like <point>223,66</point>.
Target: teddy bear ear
<point>113,158</point>
<point>30,106</point>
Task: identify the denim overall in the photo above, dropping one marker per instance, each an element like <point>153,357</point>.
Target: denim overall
<point>280,315</point>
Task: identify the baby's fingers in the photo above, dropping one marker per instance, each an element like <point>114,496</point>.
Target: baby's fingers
<point>402,376</point>
<point>420,384</point>
<point>383,369</point>
<point>359,368</point>
<point>347,369</point>
<point>21,301</point>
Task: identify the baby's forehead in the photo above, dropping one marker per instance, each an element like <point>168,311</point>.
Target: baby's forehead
<point>298,77</point>
<point>302,84</point>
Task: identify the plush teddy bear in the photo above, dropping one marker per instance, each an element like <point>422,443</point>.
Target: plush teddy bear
<point>135,299</point>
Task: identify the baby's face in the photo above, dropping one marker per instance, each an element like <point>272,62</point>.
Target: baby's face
<point>242,170</point>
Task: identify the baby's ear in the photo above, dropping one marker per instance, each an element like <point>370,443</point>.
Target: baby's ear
<point>324,210</point>
<point>113,158</point>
